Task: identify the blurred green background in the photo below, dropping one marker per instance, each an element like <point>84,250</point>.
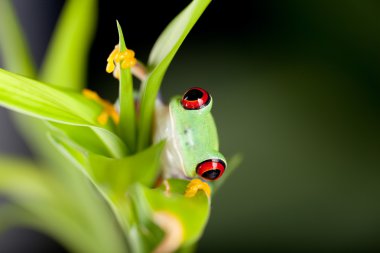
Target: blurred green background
<point>296,91</point>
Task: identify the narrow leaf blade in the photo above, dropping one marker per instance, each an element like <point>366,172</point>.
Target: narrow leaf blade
<point>43,101</point>
<point>53,206</point>
<point>127,125</point>
<point>13,46</point>
<point>114,176</point>
<point>65,64</point>
<point>162,54</point>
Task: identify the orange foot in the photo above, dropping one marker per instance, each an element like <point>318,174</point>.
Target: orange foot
<point>194,186</point>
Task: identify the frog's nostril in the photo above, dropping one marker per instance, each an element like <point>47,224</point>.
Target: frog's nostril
<point>211,169</point>
<point>195,99</point>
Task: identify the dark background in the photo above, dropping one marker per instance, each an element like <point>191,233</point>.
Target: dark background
<point>296,91</point>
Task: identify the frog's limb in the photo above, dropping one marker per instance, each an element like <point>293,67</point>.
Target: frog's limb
<point>195,185</point>
<point>108,109</point>
<point>125,60</point>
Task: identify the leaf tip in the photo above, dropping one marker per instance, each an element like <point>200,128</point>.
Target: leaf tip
<point>121,37</point>
<point>118,25</point>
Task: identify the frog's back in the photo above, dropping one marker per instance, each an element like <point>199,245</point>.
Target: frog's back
<point>191,138</point>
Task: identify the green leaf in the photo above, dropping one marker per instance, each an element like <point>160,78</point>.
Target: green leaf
<point>75,216</point>
<point>150,234</point>
<point>42,101</point>
<point>72,37</point>
<point>13,45</point>
<point>162,54</point>
<point>127,125</point>
<point>82,136</point>
<point>191,213</point>
<point>114,176</point>
<point>65,64</point>
<point>116,147</point>
<point>119,174</point>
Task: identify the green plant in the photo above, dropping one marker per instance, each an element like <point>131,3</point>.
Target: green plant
<point>115,161</point>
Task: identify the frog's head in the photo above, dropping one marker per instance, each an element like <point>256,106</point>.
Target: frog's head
<point>195,135</point>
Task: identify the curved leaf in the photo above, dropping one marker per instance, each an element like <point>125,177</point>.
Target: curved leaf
<point>65,64</point>
<point>47,204</point>
<point>127,125</point>
<point>191,213</point>
<point>40,100</point>
<point>43,101</point>
<point>13,46</point>
<point>114,176</point>
<point>162,54</point>
<point>85,137</point>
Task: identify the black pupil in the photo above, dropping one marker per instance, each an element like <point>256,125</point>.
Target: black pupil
<point>193,94</point>
<point>211,174</point>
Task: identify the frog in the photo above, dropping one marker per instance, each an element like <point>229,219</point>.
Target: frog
<point>186,125</point>
<point>192,143</point>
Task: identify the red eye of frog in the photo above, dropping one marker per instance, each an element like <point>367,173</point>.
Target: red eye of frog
<point>211,169</point>
<point>195,98</point>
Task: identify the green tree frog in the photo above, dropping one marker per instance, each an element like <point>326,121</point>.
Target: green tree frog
<point>192,146</point>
